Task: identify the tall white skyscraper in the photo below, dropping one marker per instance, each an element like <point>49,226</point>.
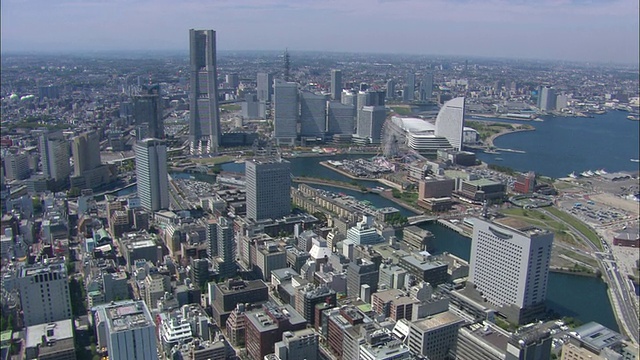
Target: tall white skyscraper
<point>370,121</point>
<point>44,293</point>
<point>450,122</point>
<point>286,112</point>
<point>336,84</point>
<point>510,267</point>
<point>127,330</point>
<point>268,189</point>
<point>151,172</point>
<point>204,125</point>
<point>548,99</point>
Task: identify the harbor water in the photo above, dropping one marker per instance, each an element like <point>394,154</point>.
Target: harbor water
<point>561,145</point>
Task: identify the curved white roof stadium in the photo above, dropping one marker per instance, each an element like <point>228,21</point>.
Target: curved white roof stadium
<point>450,122</point>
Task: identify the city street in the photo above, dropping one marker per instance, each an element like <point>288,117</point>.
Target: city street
<point>621,291</point>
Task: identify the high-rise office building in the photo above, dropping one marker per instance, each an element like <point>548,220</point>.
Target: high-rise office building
<point>147,113</point>
<point>204,115</point>
<point>16,166</point>
<point>510,267</point>
<point>359,273</point>
<point>391,89</point>
<point>547,99</point>
<point>370,122</point>
<point>225,262</point>
<point>86,152</point>
<point>313,115</point>
<point>127,330</point>
<point>268,189</point>
<point>264,86</point>
<point>336,84</point>
<point>409,87</point>
<point>426,86</point>
<point>89,173</point>
<point>286,111</point>
<point>233,80</point>
<point>54,153</point>
<point>450,122</point>
<point>151,172</point>
<point>44,293</point>
<point>340,118</point>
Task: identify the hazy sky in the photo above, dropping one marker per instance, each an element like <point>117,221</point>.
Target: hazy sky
<point>589,30</point>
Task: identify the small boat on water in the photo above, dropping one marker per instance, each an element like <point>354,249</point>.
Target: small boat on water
<point>499,159</point>
<point>633,118</point>
<point>635,160</point>
<point>601,172</point>
<point>573,175</point>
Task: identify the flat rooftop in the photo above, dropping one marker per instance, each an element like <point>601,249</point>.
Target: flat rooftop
<point>423,264</point>
<point>54,332</point>
<point>240,286</point>
<point>395,295</point>
<point>597,336</point>
<point>127,315</point>
<point>263,319</point>
<point>437,321</point>
<point>492,335</point>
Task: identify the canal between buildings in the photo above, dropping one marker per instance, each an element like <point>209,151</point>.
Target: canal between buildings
<point>580,297</point>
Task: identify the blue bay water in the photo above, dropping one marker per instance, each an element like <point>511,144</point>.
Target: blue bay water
<point>561,145</point>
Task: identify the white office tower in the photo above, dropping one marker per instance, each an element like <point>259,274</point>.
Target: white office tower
<point>264,86</point>
<point>127,330</point>
<point>286,110</point>
<point>426,86</point>
<point>336,84</point>
<point>44,293</point>
<point>301,344</point>
<point>510,267</point>
<point>268,188</point>
<point>364,233</point>
<point>370,122</point>
<point>313,115</point>
<point>547,99</point>
<point>151,172</point>
<point>450,122</point>
<point>54,153</point>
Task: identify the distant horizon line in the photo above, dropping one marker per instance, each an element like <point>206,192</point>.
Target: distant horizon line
<point>185,52</point>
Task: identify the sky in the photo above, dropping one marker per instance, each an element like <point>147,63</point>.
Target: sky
<point>582,30</point>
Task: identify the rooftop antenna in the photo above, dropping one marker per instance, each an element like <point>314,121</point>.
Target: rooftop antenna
<point>484,209</point>
<point>287,65</point>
